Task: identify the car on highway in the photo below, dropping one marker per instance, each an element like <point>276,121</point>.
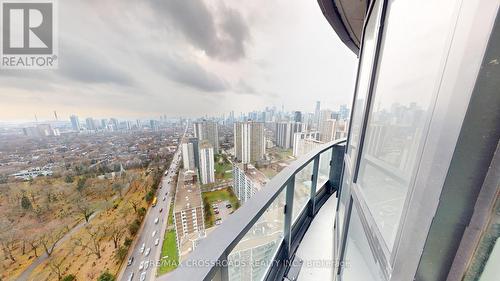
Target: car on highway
<point>143,276</point>
<point>146,265</point>
<point>153,234</point>
<point>164,198</point>
<point>216,211</point>
<point>218,221</point>
<point>161,210</point>
<point>228,206</point>
<point>142,248</point>
<point>157,220</point>
<point>157,241</point>
<point>130,277</point>
<point>130,261</point>
<point>148,250</point>
<point>141,265</point>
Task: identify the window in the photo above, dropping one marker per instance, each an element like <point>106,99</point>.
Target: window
<point>403,96</point>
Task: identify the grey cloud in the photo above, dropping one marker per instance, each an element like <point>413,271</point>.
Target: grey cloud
<point>188,73</point>
<point>87,65</point>
<point>222,34</point>
<point>244,88</point>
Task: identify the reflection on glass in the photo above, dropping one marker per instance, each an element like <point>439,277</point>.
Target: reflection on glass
<point>253,255</point>
<point>402,104</point>
<point>359,263</point>
<point>302,190</point>
<point>324,168</point>
<point>365,66</point>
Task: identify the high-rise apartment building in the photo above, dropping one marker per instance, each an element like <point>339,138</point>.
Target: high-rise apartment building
<point>332,129</point>
<point>249,141</point>
<point>304,142</point>
<point>90,125</point>
<point>285,131</point>
<point>75,123</point>
<point>207,130</point>
<point>188,156</point>
<point>316,114</point>
<point>207,169</point>
<point>247,180</point>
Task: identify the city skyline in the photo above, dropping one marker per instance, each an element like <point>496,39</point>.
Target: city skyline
<point>236,56</point>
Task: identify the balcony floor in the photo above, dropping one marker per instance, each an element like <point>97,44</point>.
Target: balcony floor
<point>316,248</point>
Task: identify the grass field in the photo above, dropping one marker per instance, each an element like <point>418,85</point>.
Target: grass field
<point>222,166</point>
<point>169,255</point>
<point>214,196</point>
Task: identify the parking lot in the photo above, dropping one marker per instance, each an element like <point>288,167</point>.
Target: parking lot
<point>221,212</point>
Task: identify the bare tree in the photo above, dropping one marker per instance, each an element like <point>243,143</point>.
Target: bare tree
<point>49,239</point>
<point>92,242</point>
<point>56,267</point>
<point>84,209</point>
<point>8,238</point>
<point>117,231</point>
<point>134,204</point>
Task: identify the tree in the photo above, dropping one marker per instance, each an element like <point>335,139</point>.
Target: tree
<point>134,227</point>
<point>121,254</point>
<point>93,240</point>
<point>50,238</point>
<point>127,242</point>
<point>149,196</point>
<point>134,205</point>
<point>80,185</point>
<point>26,203</point>
<point>56,267</point>
<point>141,213</point>
<point>83,208</point>
<point>69,179</point>
<point>70,277</point>
<point>116,231</point>
<point>106,276</point>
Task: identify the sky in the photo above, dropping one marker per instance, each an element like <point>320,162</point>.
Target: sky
<point>191,58</point>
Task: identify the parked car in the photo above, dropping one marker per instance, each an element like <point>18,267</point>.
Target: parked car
<point>218,221</point>
<point>148,250</point>
<point>141,265</point>
<point>143,276</point>
<point>153,234</point>
<point>130,261</point>
<point>157,220</point>
<point>130,277</point>
<point>142,248</point>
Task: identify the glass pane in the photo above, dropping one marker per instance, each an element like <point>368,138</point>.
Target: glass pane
<point>402,106</point>
<point>359,263</point>
<point>302,191</point>
<point>344,199</point>
<point>365,71</point>
<point>324,168</point>
<point>251,258</point>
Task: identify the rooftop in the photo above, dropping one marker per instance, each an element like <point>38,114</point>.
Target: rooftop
<point>188,194</point>
<point>255,175</point>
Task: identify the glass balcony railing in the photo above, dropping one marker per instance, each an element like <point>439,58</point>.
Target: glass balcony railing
<point>258,241</point>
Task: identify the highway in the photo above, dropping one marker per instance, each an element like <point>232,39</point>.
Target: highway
<point>145,253</point>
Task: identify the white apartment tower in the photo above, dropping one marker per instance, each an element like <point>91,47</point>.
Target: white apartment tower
<point>207,169</point>
<point>249,141</point>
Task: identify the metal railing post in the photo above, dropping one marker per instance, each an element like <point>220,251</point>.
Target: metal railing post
<point>287,232</point>
<point>314,183</point>
<point>336,170</point>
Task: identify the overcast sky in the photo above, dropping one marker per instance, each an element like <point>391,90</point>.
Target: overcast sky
<point>143,59</point>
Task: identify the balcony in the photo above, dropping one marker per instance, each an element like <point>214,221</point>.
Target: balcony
<point>261,239</point>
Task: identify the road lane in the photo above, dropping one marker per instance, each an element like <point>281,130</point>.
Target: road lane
<point>145,237</point>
